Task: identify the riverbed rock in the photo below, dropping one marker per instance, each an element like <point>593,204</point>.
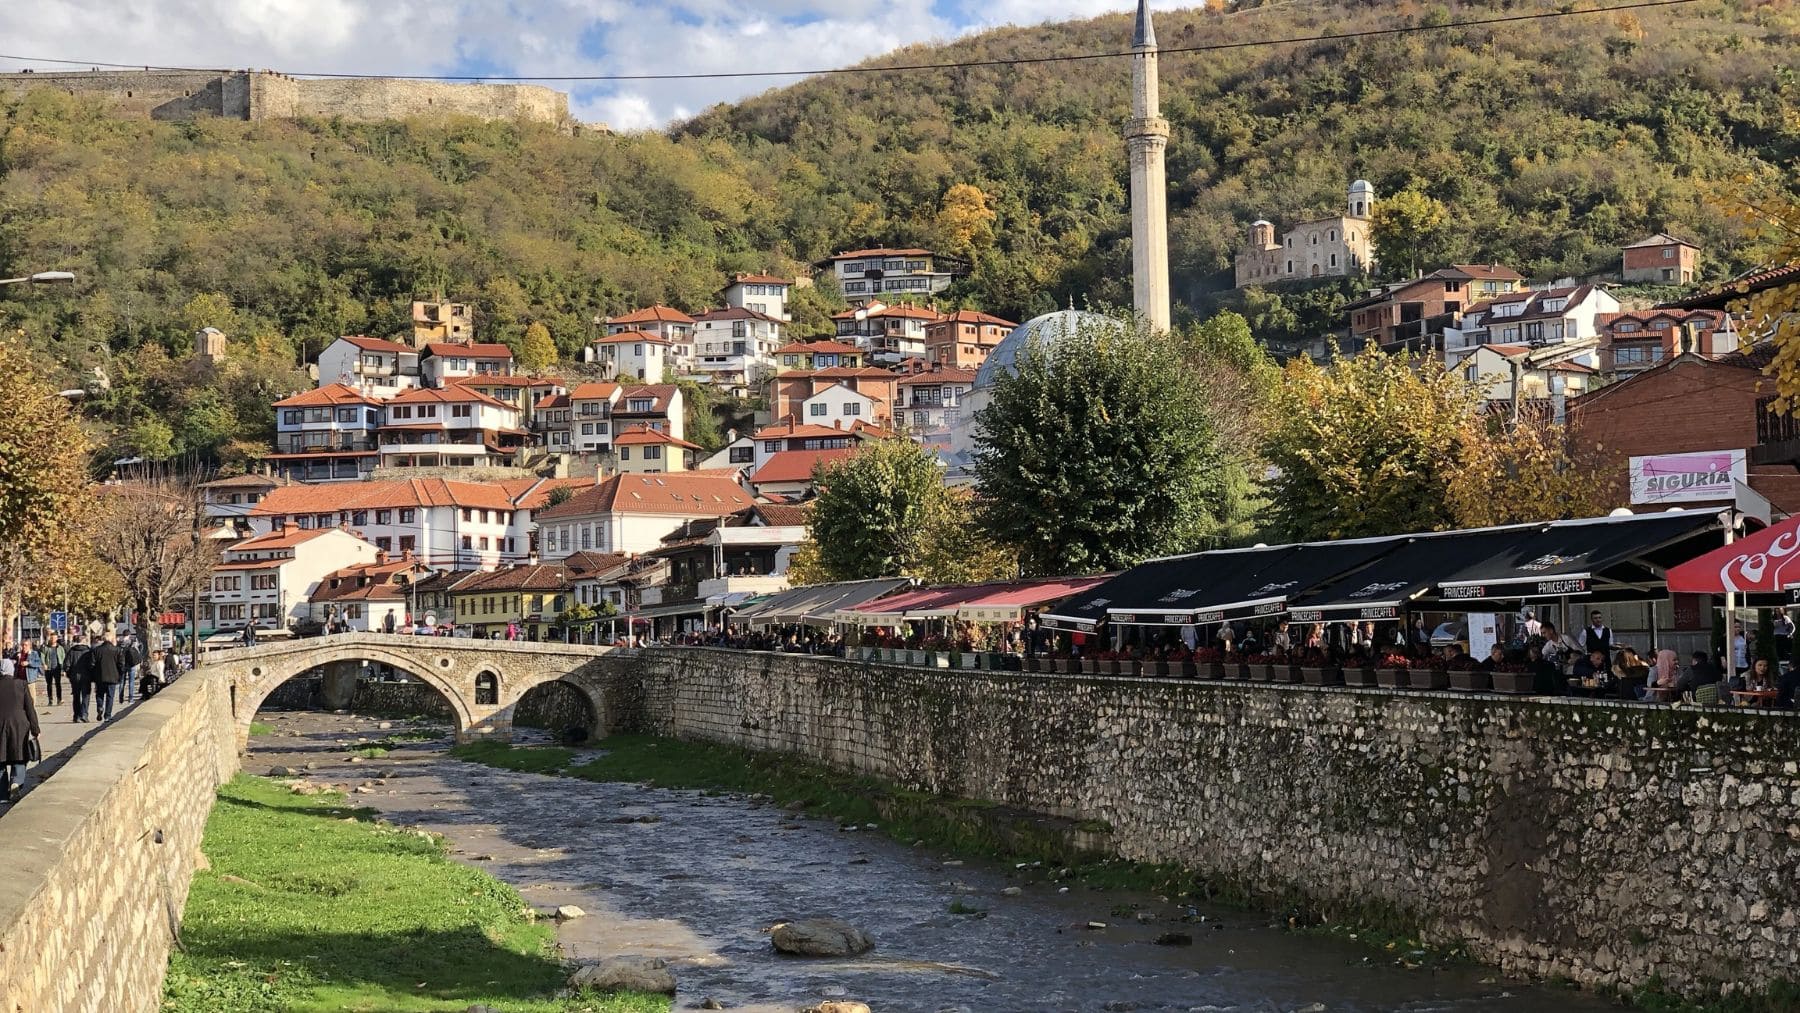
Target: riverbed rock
<point>820,937</point>
<point>569,911</point>
<point>282,772</point>
<point>1174,939</point>
<point>1012,891</point>
<point>838,1006</point>
<point>710,1003</point>
<point>626,974</point>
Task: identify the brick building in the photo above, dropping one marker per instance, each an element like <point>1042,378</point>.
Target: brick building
<point>1661,259</point>
<point>1692,403</point>
<point>1413,314</point>
<point>1634,341</point>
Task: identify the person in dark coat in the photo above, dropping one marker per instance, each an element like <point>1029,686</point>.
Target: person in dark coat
<point>109,671</point>
<point>18,726</point>
<point>81,678</point>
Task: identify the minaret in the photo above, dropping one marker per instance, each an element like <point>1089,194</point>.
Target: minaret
<point>1146,135</point>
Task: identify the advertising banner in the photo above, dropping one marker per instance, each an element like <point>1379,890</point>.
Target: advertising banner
<point>1704,477</point>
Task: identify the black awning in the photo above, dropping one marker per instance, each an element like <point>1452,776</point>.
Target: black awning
<point>1619,558</point>
<point>1289,574</point>
<point>1161,584</point>
<point>1203,587</point>
<point>797,603</point>
<point>1411,566</point>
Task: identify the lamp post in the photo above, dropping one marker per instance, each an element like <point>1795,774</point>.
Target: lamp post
<point>41,278</point>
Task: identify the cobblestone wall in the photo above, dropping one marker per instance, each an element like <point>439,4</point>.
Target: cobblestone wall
<point>1605,843</point>
<point>98,861</point>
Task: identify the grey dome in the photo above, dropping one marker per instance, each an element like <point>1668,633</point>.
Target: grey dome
<point>1051,327</point>
<point>1362,185</point>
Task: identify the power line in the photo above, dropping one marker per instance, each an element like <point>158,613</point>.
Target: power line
<point>894,68</point>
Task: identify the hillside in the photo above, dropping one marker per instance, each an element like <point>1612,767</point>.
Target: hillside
<point>1551,144</point>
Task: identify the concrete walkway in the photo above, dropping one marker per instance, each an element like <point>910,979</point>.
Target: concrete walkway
<point>61,735</point>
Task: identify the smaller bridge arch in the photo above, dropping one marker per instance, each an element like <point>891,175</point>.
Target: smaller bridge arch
<point>459,669</point>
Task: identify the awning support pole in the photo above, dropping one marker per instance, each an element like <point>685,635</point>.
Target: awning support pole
<point>1730,665</point>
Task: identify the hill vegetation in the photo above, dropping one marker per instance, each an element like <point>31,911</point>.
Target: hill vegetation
<point>1549,144</point>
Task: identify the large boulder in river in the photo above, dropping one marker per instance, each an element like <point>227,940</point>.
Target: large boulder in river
<point>626,974</point>
<point>820,937</point>
<point>838,1006</point>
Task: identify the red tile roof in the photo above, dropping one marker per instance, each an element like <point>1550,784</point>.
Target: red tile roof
<point>882,251</point>
<point>286,537</point>
<point>534,493</point>
<point>654,314</point>
<point>531,577</point>
<point>974,317</point>
<point>411,492</point>
<point>783,514</point>
<point>1660,239</point>
<point>595,391</point>
<point>848,372</point>
<point>453,394</point>
<point>330,394</point>
<point>644,436</point>
<point>660,392</point>
<point>691,494</point>
<point>737,313</point>
<point>760,279</point>
<point>814,347</point>
<point>1489,272</point>
<point>496,381</point>
<point>797,430</point>
<point>798,465</point>
<point>630,337</point>
<point>369,344</point>
<point>904,310</point>
<point>471,350</point>
<point>552,401</point>
<point>943,374</point>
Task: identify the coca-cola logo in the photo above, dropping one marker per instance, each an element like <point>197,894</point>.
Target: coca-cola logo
<point>1749,571</point>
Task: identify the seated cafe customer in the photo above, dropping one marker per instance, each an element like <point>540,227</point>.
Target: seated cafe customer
<point>1496,657</point>
<point>1664,677</point>
<point>1593,670</point>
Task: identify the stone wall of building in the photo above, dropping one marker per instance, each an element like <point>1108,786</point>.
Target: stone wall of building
<point>99,859</point>
<point>1602,842</point>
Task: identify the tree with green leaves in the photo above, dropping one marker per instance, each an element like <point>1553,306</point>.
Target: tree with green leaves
<point>1101,452</point>
<point>537,352</point>
<point>1410,231</point>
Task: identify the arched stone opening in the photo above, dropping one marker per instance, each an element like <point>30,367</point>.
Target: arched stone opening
<point>487,689</point>
<point>334,685</point>
<point>562,709</point>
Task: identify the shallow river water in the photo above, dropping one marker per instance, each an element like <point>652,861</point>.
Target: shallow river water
<point>698,881</point>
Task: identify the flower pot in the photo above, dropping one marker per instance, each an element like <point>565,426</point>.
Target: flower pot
<point>1089,667</point>
<point>1156,667</point>
<point>1391,678</point>
<point>937,659</point>
<point>1471,681</point>
<point>966,660</point>
<point>1259,672</point>
<point>915,657</point>
<point>1109,667</point>
<point>1237,670</point>
<point>1325,676</point>
<point>1284,672</point>
<point>1208,669</point>
<point>1064,666</point>
<point>1185,670</point>
<point>1359,676</point>
<point>1513,682</point>
<point>1427,678</point>
<point>1030,665</point>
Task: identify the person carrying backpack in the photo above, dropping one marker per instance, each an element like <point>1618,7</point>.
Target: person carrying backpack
<point>81,678</point>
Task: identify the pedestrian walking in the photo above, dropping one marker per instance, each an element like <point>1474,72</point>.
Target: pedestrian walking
<point>171,667</point>
<point>55,664</point>
<point>81,678</point>
<point>109,670</point>
<point>29,666</point>
<point>18,729</point>
<point>131,659</point>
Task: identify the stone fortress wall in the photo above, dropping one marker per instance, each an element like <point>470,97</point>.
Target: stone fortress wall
<point>263,95</point>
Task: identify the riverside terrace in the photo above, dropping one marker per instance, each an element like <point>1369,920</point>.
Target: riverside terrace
<point>1436,610</point>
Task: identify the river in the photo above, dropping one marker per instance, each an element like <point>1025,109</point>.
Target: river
<point>698,880</point>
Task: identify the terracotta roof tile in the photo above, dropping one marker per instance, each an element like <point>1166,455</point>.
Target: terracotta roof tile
<point>974,317</point>
<point>595,391</point>
<point>651,315</point>
<point>645,436</point>
<point>471,350</point>
<point>760,279</point>
<point>375,495</point>
<point>285,537</point>
<point>691,494</point>
<point>630,337</point>
<point>369,344</point>
<point>817,347</point>
<point>798,465</point>
<point>945,374</point>
<point>738,313</point>
<point>882,251</point>
<point>326,396</point>
<point>454,394</point>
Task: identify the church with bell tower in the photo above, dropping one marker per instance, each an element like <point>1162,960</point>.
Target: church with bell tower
<point>1334,247</point>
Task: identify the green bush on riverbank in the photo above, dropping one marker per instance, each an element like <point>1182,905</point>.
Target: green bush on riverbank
<point>310,906</point>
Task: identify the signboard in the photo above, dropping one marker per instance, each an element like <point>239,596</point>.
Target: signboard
<point>1307,616</point>
<point>59,621</point>
<point>1484,632</point>
<point>1705,477</point>
<point>1152,619</point>
<point>1465,591</point>
<point>1380,612</point>
<point>1539,589</point>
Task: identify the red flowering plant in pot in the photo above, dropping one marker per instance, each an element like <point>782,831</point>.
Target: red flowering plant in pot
<point>1107,662</point>
<point>1208,663</point>
<point>1359,670</point>
<point>1390,671</point>
<point>1261,666</point>
<point>1317,669</point>
<point>1431,673</point>
<point>1284,667</point>
<point>1467,674</point>
<point>1513,677</point>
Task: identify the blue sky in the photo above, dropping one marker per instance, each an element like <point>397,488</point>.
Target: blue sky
<point>515,37</point>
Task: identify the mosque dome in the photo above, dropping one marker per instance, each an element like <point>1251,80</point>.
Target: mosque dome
<point>1050,328</point>
<point>1362,185</point>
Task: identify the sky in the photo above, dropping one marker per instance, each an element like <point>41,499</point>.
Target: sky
<point>552,37</point>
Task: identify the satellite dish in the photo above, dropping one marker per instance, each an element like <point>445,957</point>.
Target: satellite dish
<point>1620,512</point>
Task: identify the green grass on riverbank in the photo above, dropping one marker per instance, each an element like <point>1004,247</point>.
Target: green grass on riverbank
<point>311,906</point>
<point>258,729</point>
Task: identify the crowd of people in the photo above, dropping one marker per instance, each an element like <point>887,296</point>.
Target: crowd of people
<point>97,676</point>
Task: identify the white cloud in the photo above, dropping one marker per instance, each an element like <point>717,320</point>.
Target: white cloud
<point>550,37</point>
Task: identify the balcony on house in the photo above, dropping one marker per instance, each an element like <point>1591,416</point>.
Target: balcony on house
<point>763,583</point>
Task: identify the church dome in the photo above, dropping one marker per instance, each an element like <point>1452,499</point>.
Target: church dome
<point>1362,186</point>
<point>1051,327</point>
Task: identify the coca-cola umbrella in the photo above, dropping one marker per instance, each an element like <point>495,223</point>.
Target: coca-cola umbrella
<point>1766,562</point>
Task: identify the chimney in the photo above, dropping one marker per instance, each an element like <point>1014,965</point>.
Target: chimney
<point>289,528</point>
<point>381,557</point>
<point>531,558</point>
<point>837,423</point>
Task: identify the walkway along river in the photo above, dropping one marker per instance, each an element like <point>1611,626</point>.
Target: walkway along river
<point>698,879</point>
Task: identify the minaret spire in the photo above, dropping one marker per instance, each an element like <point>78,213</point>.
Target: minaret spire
<point>1146,137</point>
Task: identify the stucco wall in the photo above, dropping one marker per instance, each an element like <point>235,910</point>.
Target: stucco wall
<point>1602,842</point>
<point>98,861</point>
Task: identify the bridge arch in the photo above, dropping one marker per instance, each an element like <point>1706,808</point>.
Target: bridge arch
<point>482,680</point>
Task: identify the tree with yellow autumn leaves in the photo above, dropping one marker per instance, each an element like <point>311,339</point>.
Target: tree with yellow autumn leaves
<point>43,481</point>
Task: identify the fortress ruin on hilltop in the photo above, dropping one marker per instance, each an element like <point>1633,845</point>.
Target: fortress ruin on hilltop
<point>266,95</point>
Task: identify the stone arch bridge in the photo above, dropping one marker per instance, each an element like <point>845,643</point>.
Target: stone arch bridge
<point>483,679</point>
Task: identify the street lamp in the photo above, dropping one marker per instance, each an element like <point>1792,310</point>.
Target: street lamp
<point>41,278</point>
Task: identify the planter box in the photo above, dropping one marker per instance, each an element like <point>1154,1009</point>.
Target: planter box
<point>1089,667</point>
<point>1066,666</point>
<point>1471,681</point>
<point>1105,667</point>
<point>1237,670</point>
<point>1427,678</point>
<point>1208,669</point>
<point>1284,673</point>
<point>1329,676</point>
<point>1391,678</point>
<point>1156,668</point>
<point>966,660</point>
<point>1514,682</point>
<point>1359,677</point>
<point>1258,672</point>
<point>937,659</point>
<point>1184,670</point>
<point>915,657</point>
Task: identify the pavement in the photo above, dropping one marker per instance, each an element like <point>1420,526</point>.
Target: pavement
<point>61,737</point>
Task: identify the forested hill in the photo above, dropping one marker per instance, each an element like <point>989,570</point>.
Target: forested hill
<point>1551,143</point>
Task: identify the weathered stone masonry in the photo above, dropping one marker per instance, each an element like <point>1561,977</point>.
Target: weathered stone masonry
<point>1601,842</point>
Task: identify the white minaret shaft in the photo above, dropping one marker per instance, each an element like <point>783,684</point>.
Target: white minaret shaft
<point>1146,136</point>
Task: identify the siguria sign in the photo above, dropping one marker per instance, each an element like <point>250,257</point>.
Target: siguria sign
<point>1704,477</point>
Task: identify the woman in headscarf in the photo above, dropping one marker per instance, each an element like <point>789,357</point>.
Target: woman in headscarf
<point>18,726</point>
<point>1664,675</point>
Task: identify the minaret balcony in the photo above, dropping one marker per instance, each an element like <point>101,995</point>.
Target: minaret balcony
<point>1147,126</point>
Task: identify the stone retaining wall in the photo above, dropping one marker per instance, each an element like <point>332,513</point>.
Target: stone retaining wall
<point>1606,843</point>
<point>99,859</point>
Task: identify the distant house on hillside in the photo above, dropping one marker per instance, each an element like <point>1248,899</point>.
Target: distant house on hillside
<point>1661,259</point>
<point>441,321</point>
<point>883,273</point>
<point>1414,314</point>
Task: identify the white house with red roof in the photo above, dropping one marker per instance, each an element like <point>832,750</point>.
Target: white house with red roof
<point>791,435</point>
<point>375,365</point>
<point>1533,317</point>
<point>441,522</point>
<point>452,426</point>
<point>369,597</point>
<point>641,450</point>
<point>656,405</point>
<point>634,355</point>
<point>632,513</point>
<point>931,400</point>
<point>590,416</point>
<point>736,346</point>
<point>268,579</point>
<point>812,355</point>
<point>550,421</point>
<point>888,334</point>
<point>760,293</point>
<point>790,472</point>
<point>327,434</point>
<point>839,405</point>
<point>444,361</point>
<point>666,322</point>
<point>889,273</point>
